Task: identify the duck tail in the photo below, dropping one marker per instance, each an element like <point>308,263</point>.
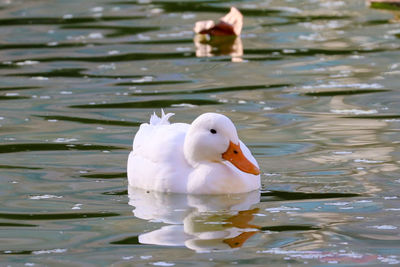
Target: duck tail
<point>155,120</point>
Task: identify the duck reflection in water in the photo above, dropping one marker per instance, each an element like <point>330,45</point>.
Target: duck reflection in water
<point>222,38</point>
<point>219,46</point>
<point>199,222</point>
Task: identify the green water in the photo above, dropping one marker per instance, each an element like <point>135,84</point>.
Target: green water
<point>312,86</point>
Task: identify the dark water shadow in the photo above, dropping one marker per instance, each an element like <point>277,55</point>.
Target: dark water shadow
<point>290,227</point>
<point>116,193</point>
<point>254,58</point>
<point>388,5</point>
<point>344,92</point>
<point>150,104</point>
<point>19,167</point>
<point>132,240</point>
<point>285,195</point>
<point>70,73</point>
<point>14,97</point>
<point>16,225</point>
<point>375,22</point>
<point>160,42</point>
<point>5,22</point>
<point>216,90</point>
<point>29,147</point>
<point>17,88</point>
<point>117,31</point>
<point>313,51</point>
<point>16,252</point>
<point>8,66</point>
<point>56,216</point>
<point>90,121</point>
<point>375,117</point>
<point>203,6</point>
<point>39,46</point>
<point>151,83</point>
<point>116,175</point>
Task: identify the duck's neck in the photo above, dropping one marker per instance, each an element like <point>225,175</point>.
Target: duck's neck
<point>191,153</point>
<point>197,153</point>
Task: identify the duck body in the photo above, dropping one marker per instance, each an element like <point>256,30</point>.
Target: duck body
<point>191,158</point>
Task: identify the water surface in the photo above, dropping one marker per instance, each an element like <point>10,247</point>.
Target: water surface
<point>313,87</point>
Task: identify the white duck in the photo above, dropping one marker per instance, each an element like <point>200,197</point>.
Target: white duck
<point>205,157</point>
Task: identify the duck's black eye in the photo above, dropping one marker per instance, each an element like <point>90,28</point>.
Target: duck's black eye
<point>213,131</point>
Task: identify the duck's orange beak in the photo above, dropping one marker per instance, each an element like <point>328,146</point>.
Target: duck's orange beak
<point>235,155</point>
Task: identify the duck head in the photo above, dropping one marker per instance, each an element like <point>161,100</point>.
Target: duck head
<point>212,137</point>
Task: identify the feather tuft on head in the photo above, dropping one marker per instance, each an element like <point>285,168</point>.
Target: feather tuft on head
<point>164,120</point>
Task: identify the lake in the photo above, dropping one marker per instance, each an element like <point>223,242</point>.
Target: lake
<point>312,86</point>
